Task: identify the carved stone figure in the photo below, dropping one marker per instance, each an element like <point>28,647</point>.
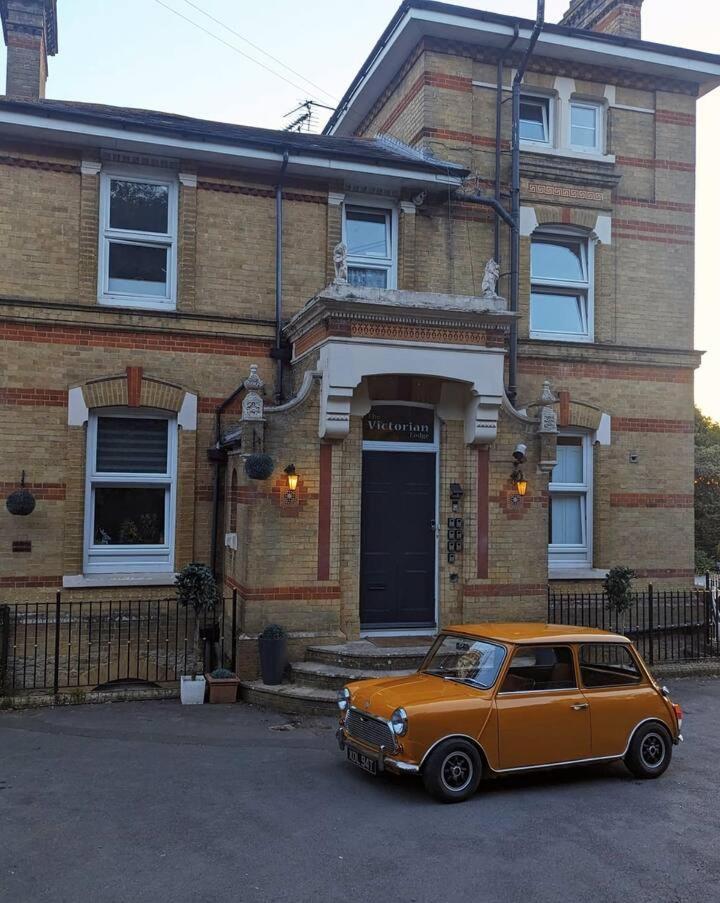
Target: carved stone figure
<point>490,279</point>
<point>252,405</point>
<point>340,254</point>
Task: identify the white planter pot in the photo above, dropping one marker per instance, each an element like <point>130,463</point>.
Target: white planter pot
<point>192,692</point>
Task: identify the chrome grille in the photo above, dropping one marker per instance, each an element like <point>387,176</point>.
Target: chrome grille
<point>369,729</point>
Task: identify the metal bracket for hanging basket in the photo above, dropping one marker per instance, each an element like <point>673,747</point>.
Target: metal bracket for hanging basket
<point>21,502</point>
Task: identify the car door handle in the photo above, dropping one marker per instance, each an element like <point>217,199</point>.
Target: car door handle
<point>579,706</point>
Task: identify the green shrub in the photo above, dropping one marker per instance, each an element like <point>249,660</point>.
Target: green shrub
<point>196,588</point>
<point>617,585</point>
<point>222,674</point>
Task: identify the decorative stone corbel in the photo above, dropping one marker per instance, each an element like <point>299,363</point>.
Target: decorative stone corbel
<point>252,405</point>
<point>481,419</point>
<point>548,429</point>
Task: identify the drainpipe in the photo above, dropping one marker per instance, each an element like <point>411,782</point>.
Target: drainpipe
<point>278,352</point>
<point>216,454</point>
<point>515,199</point>
<point>499,101</point>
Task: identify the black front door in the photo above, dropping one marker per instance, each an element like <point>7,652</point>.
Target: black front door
<point>397,569</point>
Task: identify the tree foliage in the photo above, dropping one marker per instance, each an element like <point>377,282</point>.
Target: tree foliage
<point>707,490</point>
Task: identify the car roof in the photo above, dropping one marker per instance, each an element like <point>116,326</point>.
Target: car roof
<point>536,632</point>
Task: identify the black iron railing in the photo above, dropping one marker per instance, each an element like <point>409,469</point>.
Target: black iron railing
<point>89,644</point>
<point>665,625</point>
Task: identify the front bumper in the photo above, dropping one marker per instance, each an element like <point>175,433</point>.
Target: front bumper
<point>384,762</point>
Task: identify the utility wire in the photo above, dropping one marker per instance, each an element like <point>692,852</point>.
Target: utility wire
<point>231,46</point>
<point>257,47</point>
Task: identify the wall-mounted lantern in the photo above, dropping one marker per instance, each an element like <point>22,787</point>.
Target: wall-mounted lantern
<point>517,477</point>
<point>21,502</point>
<point>292,480</point>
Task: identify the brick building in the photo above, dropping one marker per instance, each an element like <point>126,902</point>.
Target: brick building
<point>149,261</point>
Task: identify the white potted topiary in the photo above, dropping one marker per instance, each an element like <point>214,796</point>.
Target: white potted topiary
<point>196,588</point>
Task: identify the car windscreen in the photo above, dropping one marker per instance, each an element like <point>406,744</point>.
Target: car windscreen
<point>454,657</point>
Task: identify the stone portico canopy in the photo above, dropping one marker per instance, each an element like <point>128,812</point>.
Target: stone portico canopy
<point>359,332</point>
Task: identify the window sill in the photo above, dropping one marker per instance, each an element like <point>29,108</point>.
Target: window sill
<point>79,581</point>
<point>561,337</point>
<point>568,152</point>
<point>136,303</point>
<point>578,573</point>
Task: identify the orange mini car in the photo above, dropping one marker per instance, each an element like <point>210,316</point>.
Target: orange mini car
<point>496,698</point>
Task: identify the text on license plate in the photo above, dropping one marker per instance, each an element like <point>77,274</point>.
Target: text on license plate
<point>361,760</point>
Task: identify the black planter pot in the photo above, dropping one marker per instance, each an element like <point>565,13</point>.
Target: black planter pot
<point>273,658</point>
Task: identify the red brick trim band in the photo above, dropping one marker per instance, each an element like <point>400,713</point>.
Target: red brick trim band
<point>644,226</point>
<point>134,385</point>
<point>483,510</point>
<point>435,79</point>
<point>146,340</point>
<point>651,500</point>
<point>564,416</point>
<point>24,163</point>
<point>284,593</point>
<point>324,511</point>
<point>505,589</point>
<point>49,492</point>
<point>674,118</point>
<point>651,163</point>
<point>32,397</point>
<point>567,369</point>
<point>655,205</point>
<point>658,239</point>
<point>452,135</point>
<point>649,425</point>
<point>27,582</point>
<point>256,192</point>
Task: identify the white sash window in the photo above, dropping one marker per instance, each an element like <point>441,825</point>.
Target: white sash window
<point>570,510</point>
<point>130,492</point>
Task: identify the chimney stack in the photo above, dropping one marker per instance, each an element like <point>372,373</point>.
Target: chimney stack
<point>30,32</point>
<point>618,17</point>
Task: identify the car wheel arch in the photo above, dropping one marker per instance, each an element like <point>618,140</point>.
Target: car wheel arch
<point>642,723</point>
<point>447,737</point>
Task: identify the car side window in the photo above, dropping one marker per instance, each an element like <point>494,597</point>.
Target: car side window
<point>607,665</point>
<point>540,668</point>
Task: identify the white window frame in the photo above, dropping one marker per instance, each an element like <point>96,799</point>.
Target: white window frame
<point>567,286</point>
<point>147,239</point>
<point>548,103</point>
<point>117,559</point>
<point>573,555</point>
<point>387,264</point>
<point>598,109</point>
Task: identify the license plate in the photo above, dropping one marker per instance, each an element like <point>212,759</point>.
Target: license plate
<point>361,760</point>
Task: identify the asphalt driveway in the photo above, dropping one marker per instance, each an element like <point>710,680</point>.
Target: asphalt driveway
<point>152,801</point>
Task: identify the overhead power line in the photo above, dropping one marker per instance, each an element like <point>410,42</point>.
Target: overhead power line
<point>258,48</point>
<point>231,46</point>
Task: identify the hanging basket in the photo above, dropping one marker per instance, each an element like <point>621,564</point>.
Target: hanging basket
<point>21,502</point>
<point>259,466</point>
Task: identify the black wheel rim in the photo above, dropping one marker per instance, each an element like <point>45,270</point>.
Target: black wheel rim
<point>457,771</point>
<point>652,750</point>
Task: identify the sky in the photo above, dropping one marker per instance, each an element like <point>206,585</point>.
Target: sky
<point>139,53</point>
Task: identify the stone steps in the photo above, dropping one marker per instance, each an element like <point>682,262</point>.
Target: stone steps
<point>334,677</point>
<point>290,698</point>
<point>314,682</point>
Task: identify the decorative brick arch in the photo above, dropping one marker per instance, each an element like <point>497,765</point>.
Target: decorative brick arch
<point>597,225</point>
<point>133,389</point>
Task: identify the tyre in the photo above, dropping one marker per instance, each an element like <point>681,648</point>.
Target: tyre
<point>453,771</point>
<point>650,751</point>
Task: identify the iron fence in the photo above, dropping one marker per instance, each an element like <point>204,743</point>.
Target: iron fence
<point>105,643</point>
<point>665,625</point>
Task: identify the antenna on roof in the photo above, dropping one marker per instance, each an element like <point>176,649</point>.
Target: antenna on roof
<point>306,121</point>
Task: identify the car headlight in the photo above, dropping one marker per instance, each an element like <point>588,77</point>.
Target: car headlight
<point>399,722</point>
<point>343,699</point>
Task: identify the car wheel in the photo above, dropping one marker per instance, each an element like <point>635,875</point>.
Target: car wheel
<point>650,751</point>
<point>453,771</point>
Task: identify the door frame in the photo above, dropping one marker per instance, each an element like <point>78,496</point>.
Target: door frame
<point>428,448</point>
